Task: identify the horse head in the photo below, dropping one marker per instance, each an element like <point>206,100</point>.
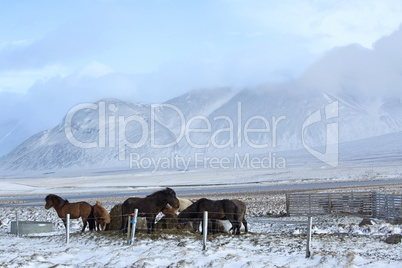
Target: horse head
<point>181,221</point>
<point>55,201</point>
<point>171,198</point>
<point>49,201</point>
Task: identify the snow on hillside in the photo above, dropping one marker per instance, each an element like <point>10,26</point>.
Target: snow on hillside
<point>115,134</point>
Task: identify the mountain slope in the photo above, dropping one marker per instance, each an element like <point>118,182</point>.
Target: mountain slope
<point>114,134</point>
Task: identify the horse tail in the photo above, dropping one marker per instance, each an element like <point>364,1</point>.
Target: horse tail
<point>236,213</point>
<point>91,219</point>
<point>236,219</point>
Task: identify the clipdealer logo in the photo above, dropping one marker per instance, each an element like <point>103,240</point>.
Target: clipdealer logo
<point>112,133</point>
<point>331,154</point>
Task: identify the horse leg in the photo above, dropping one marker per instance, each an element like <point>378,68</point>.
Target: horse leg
<point>237,228</point>
<point>150,224</point>
<point>234,226</point>
<point>214,226</point>
<point>245,225</point>
<point>91,219</point>
<point>84,221</point>
<point>123,227</point>
<point>153,225</point>
<point>196,225</point>
<point>238,224</point>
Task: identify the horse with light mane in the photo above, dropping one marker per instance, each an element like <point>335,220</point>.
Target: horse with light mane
<point>101,215</point>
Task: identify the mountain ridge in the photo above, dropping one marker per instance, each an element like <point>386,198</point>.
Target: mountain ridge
<point>212,123</point>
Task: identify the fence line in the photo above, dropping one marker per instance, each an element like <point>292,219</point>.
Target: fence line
<point>387,206</point>
<point>365,204</point>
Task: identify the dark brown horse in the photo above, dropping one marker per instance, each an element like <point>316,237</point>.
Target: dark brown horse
<point>63,207</point>
<point>217,210</point>
<point>148,207</point>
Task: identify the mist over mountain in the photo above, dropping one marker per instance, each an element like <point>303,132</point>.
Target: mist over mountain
<point>204,124</point>
<point>362,78</point>
<point>362,85</point>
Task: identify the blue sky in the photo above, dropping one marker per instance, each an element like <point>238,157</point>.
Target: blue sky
<point>159,49</point>
<point>56,54</point>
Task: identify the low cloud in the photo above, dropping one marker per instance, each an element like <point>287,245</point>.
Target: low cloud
<point>63,44</point>
<point>360,72</point>
<point>353,71</point>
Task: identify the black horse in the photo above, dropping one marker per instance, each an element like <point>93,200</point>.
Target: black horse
<point>217,210</point>
<point>148,207</point>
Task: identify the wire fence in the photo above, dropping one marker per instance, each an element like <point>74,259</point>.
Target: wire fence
<point>193,222</point>
<point>365,204</point>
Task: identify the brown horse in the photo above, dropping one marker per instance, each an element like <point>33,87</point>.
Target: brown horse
<point>76,210</point>
<point>148,207</point>
<point>217,210</point>
<point>101,215</point>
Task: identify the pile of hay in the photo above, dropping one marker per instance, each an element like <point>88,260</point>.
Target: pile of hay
<point>115,218</point>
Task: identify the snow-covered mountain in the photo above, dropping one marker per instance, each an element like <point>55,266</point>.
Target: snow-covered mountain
<point>12,132</point>
<point>204,124</point>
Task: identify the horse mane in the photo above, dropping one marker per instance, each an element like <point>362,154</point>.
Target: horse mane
<point>166,191</point>
<point>103,212</point>
<point>60,200</point>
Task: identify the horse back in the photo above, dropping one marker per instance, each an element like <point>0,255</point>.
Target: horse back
<point>241,208</point>
<point>133,203</point>
<point>191,211</point>
<point>227,209</point>
<point>78,209</point>
<point>214,208</point>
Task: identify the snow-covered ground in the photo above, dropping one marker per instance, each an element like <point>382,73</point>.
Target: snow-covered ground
<point>109,182</point>
<point>338,241</point>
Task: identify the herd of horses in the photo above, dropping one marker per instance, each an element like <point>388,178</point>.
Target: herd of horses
<point>164,201</point>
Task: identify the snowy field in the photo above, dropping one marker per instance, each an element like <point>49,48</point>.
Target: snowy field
<point>113,182</point>
<point>273,241</point>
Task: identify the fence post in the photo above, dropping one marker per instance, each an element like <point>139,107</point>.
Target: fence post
<point>308,247</point>
<point>287,205</point>
<point>204,230</point>
<point>134,225</point>
<point>68,229</point>
<point>128,229</point>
